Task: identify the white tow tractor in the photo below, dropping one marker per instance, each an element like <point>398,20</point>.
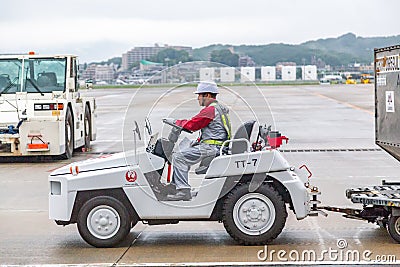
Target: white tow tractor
<point>247,187</point>
<point>42,113</point>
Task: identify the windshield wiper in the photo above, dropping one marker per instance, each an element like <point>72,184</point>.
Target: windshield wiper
<point>6,88</point>
<point>11,84</point>
<point>35,86</point>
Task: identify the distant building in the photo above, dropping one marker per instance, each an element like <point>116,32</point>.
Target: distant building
<point>280,66</point>
<point>309,73</point>
<point>246,61</point>
<point>227,74</point>
<point>145,53</point>
<point>137,54</point>
<point>268,73</point>
<point>247,74</point>
<point>367,68</point>
<point>105,73</point>
<point>146,65</point>
<point>207,74</point>
<point>318,62</point>
<point>288,73</point>
<point>89,72</point>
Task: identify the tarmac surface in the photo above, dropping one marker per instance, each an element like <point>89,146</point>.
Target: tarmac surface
<point>330,129</point>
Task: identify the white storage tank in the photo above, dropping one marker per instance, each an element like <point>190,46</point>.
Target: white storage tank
<point>207,74</point>
<point>247,74</point>
<point>227,74</point>
<point>309,73</point>
<point>268,73</point>
<point>288,73</point>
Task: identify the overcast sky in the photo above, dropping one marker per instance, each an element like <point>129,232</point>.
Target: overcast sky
<point>101,29</point>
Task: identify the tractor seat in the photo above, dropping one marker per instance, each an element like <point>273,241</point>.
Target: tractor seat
<point>244,131</point>
<point>204,164</point>
<point>47,79</point>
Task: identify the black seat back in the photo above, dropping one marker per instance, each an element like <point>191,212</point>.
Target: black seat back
<point>204,164</point>
<point>244,131</point>
<point>47,79</point>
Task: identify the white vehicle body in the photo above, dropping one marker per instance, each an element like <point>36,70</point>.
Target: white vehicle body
<point>110,173</point>
<point>331,78</point>
<point>128,178</point>
<point>41,110</point>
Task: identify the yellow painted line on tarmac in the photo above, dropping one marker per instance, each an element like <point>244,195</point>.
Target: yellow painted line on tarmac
<point>345,103</point>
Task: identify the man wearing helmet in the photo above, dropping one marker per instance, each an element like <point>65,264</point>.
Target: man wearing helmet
<point>215,127</point>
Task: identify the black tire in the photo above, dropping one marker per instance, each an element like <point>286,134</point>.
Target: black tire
<point>87,128</point>
<point>265,212</point>
<point>104,221</point>
<point>69,135</point>
<point>394,227</point>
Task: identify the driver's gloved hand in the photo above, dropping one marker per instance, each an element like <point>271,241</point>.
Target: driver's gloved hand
<point>169,120</point>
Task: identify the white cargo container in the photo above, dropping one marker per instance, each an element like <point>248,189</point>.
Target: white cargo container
<point>288,73</point>
<point>268,73</point>
<point>309,73</point>
<point>247,74</point>
<point>207,74</point>
<point>227,74</point>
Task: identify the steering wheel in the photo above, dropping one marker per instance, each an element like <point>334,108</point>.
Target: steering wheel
<point>170,122</point>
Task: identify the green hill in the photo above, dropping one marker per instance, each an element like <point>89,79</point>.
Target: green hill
<point>343,50</point>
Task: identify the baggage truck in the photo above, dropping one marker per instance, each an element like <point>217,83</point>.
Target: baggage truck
<point>381,203</point>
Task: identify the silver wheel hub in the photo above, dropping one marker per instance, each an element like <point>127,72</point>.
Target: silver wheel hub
<point>103,222</point>
<point>397,225</point>
<point>254,214</point>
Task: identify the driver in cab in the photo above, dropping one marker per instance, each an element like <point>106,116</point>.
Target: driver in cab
<point>214,123</point>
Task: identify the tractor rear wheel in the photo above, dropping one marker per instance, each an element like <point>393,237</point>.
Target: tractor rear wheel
<point>254,218</point>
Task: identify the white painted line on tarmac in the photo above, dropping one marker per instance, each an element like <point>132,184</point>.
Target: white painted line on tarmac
<point>21,210</point>
<point>223,264</point>
<point>345,103</point>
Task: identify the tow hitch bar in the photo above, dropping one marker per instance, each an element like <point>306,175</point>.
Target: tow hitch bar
<point>314,201</point>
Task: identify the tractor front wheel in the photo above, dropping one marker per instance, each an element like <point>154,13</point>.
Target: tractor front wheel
<point>104,221</point>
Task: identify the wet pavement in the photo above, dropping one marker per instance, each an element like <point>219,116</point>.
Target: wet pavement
<point>330,129</point>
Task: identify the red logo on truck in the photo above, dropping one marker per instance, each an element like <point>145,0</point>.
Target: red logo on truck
<point>131,176</point>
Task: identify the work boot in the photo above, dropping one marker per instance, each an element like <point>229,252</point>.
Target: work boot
<point>181,194</point>
<point>164,189</point>
<point>169,189</point>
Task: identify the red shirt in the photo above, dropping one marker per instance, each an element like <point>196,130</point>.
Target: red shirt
<point>201,120</point>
